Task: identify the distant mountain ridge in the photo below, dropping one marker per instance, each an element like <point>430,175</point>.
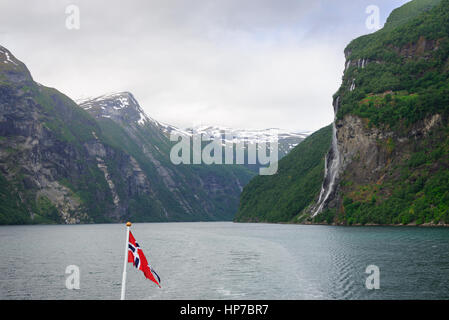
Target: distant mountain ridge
<point>103,160</point>
<point>60,163</point>
<point>196,188</point>
<point>287,140</point>
<point>123,105</point>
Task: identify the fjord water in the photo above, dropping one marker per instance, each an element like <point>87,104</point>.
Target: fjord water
<point>224,260</point>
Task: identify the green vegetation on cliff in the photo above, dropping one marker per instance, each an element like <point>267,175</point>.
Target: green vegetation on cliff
<point>405,75</point>
<point>281,197</point>
<point>409,11</point>
<point>414,191</point>
<point>195,182</point>
<point>403,89</point>
<point>396,82</point>
<point>61,164</point>
<point>12,210</point>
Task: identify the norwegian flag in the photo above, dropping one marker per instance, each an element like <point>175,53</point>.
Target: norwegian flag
<point>137,258</point>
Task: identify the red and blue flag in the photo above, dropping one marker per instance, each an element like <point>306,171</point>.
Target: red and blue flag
<point>137,258</point>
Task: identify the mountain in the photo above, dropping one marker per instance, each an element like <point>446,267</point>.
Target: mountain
<point>287,140</point>
<point>388,161</point>
<point>123,109</point>
<point>195,191</point>
<point>60,163</point>
<point>408,11</point>
<point>280,197</point>
<point>51,153</point>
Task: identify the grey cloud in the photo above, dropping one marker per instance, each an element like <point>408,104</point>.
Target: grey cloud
<point>253,63</point>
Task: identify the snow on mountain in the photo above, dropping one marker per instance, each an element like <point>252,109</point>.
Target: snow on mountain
<point>7,58</point>
<point>287,140</point>
<point>118,106</point>
<point>122,106</point>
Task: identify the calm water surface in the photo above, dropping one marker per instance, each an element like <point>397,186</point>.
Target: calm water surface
<point>226,261</point>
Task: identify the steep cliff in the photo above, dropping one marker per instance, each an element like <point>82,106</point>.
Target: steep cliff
<point>389,161</point>
<point>60,164</point>
<point>186,192</point>
<point>53,158</point>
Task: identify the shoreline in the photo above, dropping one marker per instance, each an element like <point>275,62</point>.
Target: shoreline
<point>308,223</point>
<point>424,225</point>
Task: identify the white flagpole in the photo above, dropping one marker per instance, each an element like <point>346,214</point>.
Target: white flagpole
<point>122,297</point>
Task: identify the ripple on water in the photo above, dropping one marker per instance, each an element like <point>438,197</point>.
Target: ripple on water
<point>227,261</point>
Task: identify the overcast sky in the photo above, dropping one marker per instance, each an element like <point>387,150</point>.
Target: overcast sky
<point>238,63</point>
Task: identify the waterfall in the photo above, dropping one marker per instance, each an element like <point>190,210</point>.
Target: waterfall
<point>331,171</point>
<point>352,88</point>
<point>348,64</point>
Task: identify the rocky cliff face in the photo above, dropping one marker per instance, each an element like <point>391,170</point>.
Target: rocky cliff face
<point>52,156</point>
<point>391,125</point>
<point>108,163</point>
<point>191,191</point>
<point>368,155</point>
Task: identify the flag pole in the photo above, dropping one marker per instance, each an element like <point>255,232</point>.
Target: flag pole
<point>122,297</point>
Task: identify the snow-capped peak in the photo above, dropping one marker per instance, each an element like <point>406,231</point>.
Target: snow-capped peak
<point>124,108</point>
<point>287,140</point>
<point>5,57</point>
<point>255,135</point>
<point>117,105</point>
